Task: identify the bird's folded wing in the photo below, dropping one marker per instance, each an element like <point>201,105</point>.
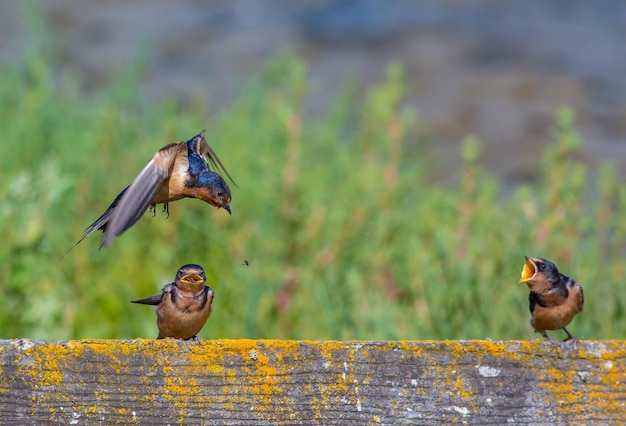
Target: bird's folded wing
<point>581,301</point>
<point>152,300</point>
<point>157,298</point>
<point>207,296</point>
<point>140,193</point>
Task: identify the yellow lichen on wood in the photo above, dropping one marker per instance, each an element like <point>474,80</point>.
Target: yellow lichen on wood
<point>285,382</point>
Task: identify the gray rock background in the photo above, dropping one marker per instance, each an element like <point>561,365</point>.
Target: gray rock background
<point>496,69</point>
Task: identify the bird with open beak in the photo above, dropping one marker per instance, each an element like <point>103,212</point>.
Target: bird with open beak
<point>184,306</point>
<point>555,299</point>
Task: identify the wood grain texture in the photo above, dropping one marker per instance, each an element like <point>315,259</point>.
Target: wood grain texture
<point>263,382</point>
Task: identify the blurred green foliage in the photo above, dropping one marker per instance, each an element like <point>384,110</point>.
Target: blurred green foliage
<point>345,234</point>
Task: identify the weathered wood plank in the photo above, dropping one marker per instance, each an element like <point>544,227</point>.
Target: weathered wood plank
<point>256,382</point>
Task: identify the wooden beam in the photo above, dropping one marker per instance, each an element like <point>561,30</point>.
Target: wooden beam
<point>268,382</point>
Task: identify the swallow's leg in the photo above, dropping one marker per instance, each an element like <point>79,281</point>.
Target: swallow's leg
<point>553,342</point>
<point>570,337</point>
<point>166,209</point>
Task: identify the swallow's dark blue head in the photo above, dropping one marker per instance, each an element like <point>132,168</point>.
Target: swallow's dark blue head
<point>536,267</point>
<point>213,189</point>
<point>190,273</point>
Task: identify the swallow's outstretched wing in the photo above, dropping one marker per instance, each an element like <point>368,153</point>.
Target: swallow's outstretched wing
<point>140,194</point>
<point>202,148</point>
<point>100,223</point>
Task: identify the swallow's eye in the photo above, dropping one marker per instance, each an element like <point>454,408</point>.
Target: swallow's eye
<point>542,265</point>
<point>220,193</point>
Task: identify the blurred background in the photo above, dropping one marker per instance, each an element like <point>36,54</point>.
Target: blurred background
<point>396,160</point>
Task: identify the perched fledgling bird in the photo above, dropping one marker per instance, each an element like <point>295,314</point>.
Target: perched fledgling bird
<point>178,170</point>
<point>554,298</point>
<point>184,305</point>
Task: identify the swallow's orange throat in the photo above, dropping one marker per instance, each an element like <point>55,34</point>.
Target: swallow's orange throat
<point>529,271</point>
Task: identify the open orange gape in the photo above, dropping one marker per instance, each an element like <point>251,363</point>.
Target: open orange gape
<point>529,270</point>
<point>192,279</point>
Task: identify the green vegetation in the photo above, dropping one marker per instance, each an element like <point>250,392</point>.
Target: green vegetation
<point>345,233</point>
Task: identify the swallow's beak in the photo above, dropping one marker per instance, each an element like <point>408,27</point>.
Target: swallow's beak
<point>192,278</point>
<point>227,208</point>
<point>529,270</point>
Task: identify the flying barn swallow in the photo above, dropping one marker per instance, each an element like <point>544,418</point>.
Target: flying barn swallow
<point>183,306</point>
<point>178,170</point>
<point>554,298</point>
